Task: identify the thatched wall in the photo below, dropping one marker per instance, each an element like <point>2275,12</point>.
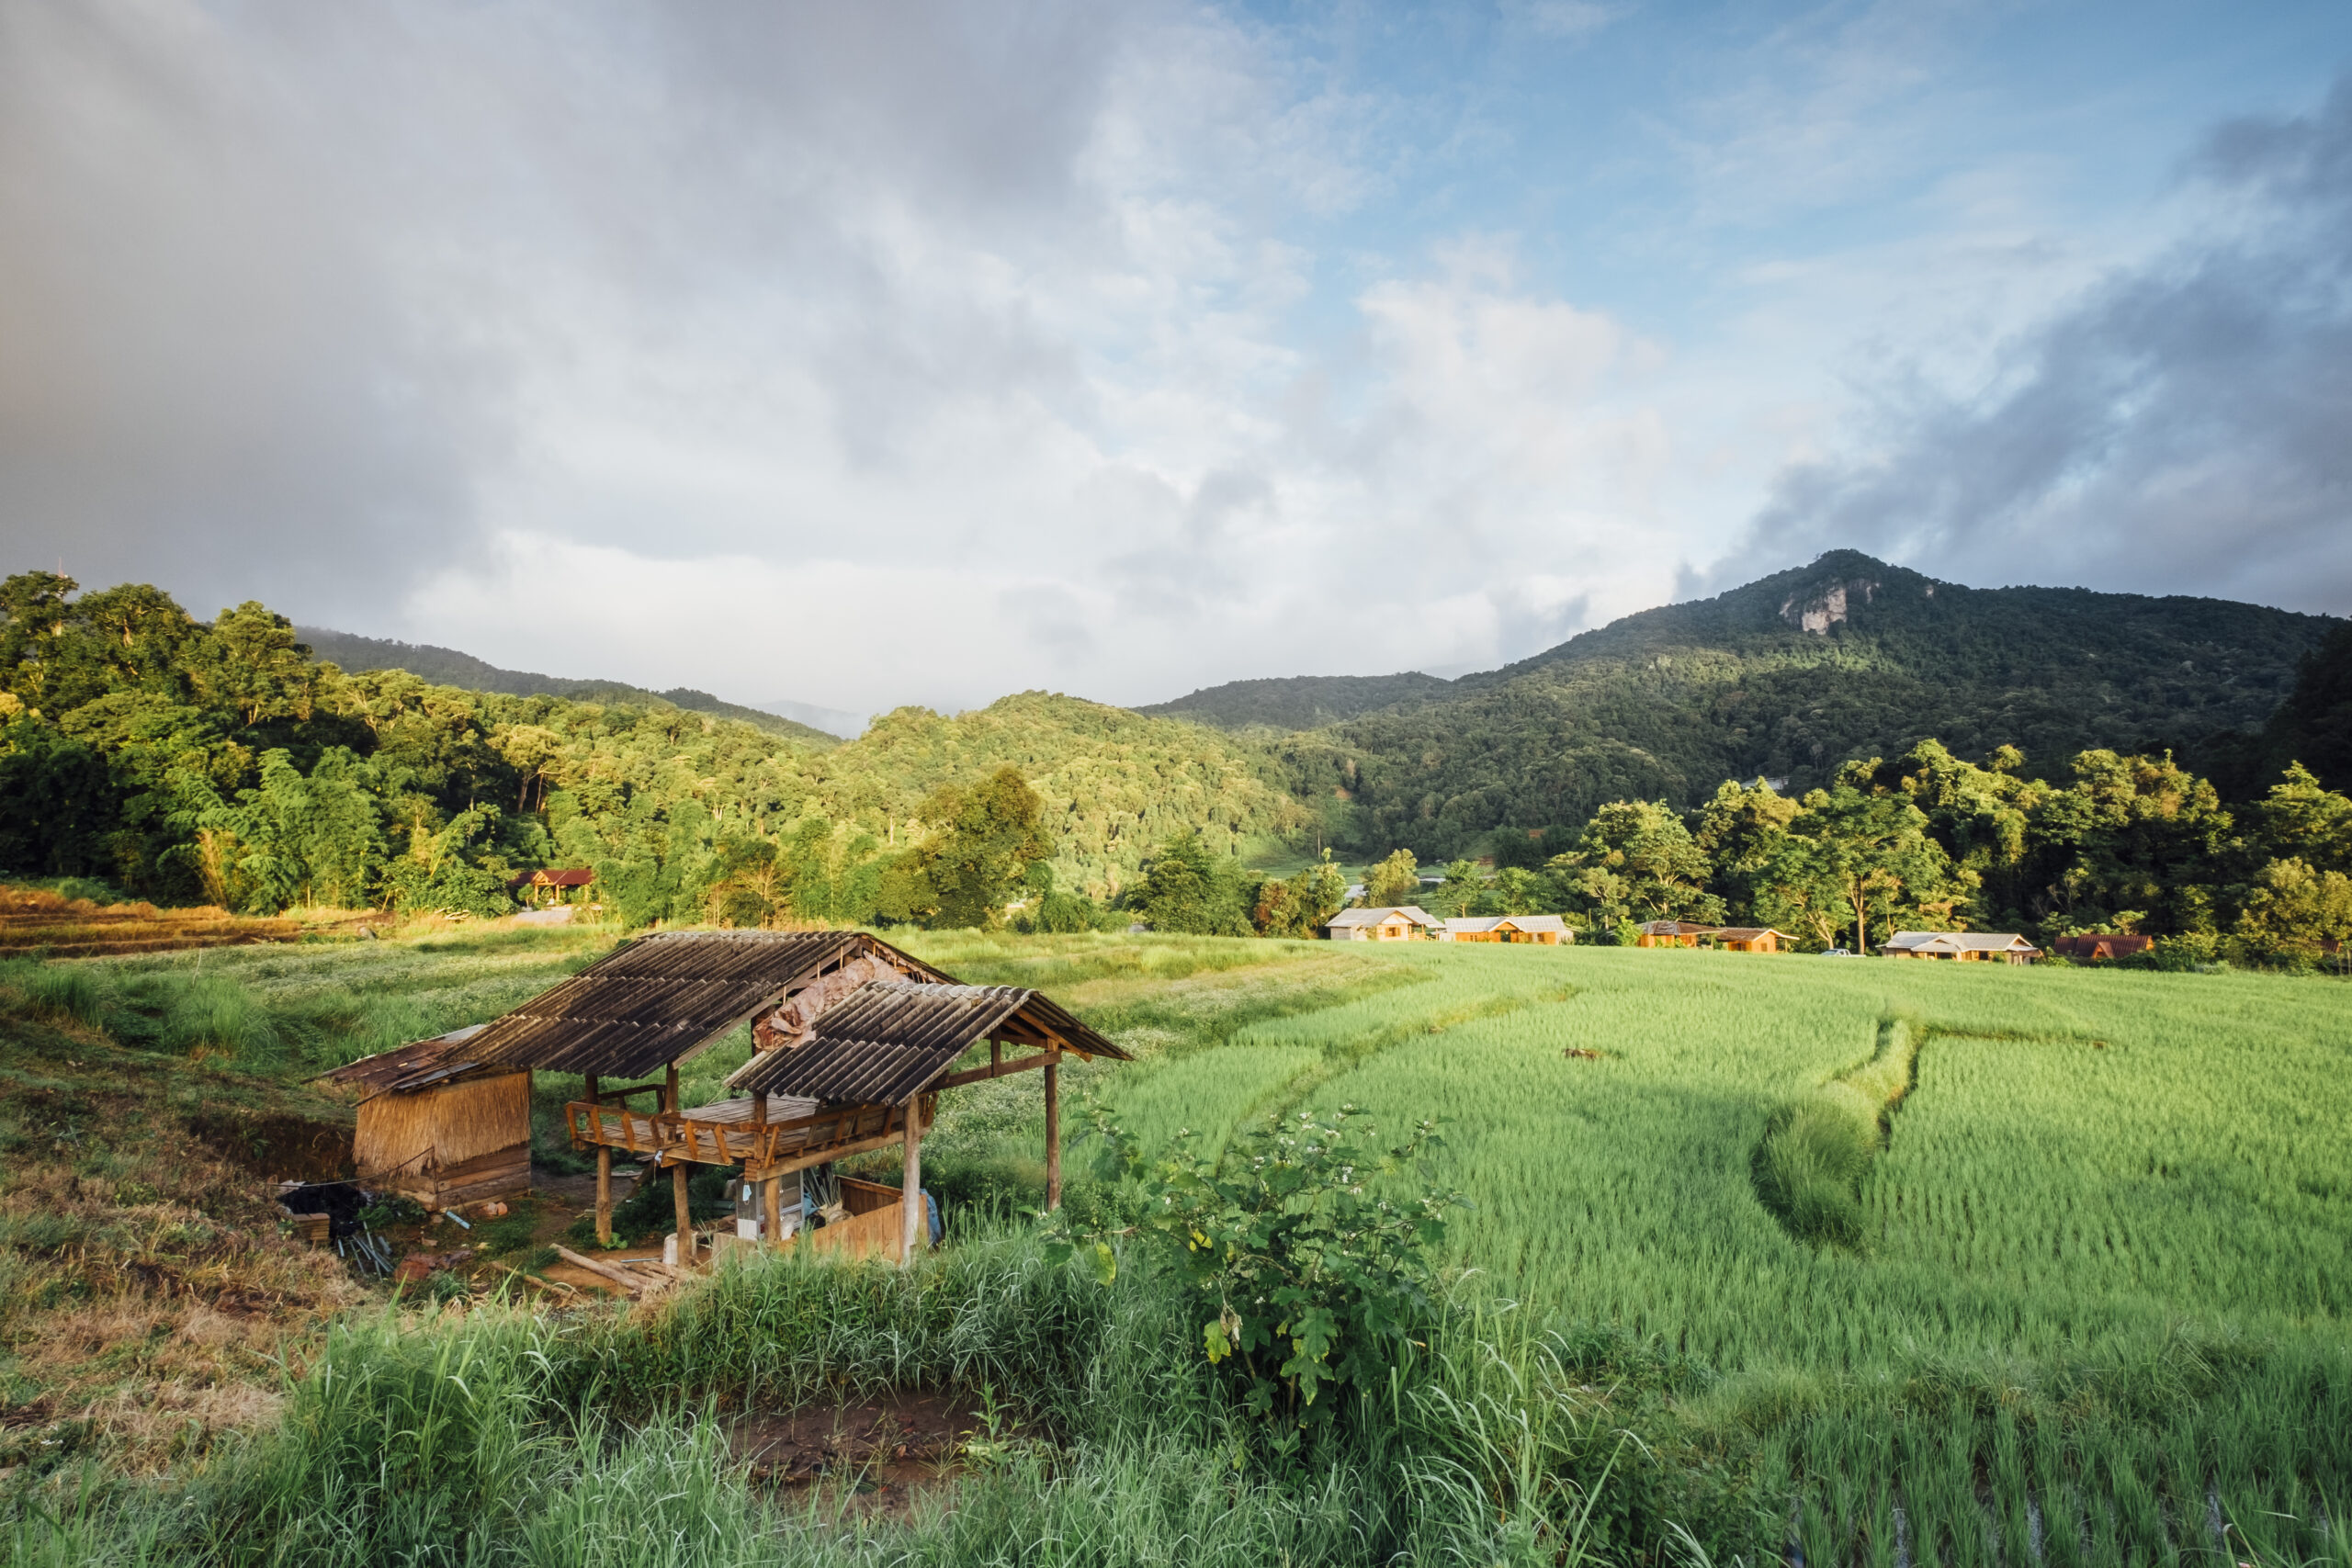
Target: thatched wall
<point>473,1135</point>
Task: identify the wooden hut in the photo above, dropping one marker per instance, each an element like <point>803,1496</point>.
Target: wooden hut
<point>881,1059</point>
<point>552,885</point>
<point>438,1126</point>
<point>660,1001</point>
<point>1671,934</point>
<point>2095,947</point>
<point>1750,938</point>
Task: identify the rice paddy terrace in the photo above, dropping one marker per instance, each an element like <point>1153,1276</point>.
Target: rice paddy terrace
<point>1880,1262</point>
<point>2092,1302</point>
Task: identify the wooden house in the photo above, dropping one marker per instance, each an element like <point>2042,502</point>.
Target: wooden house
<point>2095,947</point>
<point>1407,923</point>
<point>1750,938</point>
<point>438,1126</point>
<point>1548,930</point>
<point>1671,934</point>
<point>1968,947</point>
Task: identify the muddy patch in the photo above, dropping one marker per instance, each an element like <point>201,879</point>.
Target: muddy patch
<point>864,1458</point>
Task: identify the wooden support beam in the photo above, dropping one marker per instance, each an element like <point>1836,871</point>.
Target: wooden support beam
<point>685,1221</point>
<point>670,1092</point>
<point>603,1195</point>
<point>911,1212</point>
<point>995,1070</point>
<point>1052,1134</point>
<point>772,1190</point>
<point>803,1159</point>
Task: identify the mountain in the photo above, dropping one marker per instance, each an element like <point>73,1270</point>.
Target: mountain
<point>1300,701</point>
<point>448,667</point>
<point>1788,677</point>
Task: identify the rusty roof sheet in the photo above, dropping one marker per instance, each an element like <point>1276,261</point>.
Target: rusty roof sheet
<point>667,995</point>
<point>418,1064</point>
<point>886,1041</point>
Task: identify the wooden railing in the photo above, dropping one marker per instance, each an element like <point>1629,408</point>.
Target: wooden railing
<point>770,1148</point>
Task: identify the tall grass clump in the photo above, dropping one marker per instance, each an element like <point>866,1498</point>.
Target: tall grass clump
<point>396,1446</point>
<point>1816,1153</point>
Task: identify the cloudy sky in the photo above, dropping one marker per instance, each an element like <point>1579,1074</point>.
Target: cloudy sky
<point>883,353</point>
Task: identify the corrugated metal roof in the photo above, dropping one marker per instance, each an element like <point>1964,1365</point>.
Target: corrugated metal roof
<point>1959,941</point>
<point>1373,917</point>
<point>887,1041</point>
<point>666,997</point>
<point>420,1064</point>
<point>1516,922</point>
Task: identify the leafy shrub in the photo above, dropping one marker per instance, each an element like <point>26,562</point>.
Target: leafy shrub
<point>391,1209</point>
<point>1302,1258</point>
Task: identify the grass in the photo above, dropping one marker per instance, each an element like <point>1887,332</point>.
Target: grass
<point>493,1435</point>
<point>2047,1265</point>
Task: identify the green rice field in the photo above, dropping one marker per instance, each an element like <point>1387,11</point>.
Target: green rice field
<point>1851,1262</point>
<point>2096,1306</point>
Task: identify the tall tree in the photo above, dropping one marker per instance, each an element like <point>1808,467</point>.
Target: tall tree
<point>1183,890</point>
<point>1636,858</point>
<point>992,832</point>
<point>1393,883</point>
<point>1868,858</point>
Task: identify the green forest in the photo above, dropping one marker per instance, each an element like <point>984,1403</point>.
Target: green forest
<point>222,762</point>
<point>192,762</point>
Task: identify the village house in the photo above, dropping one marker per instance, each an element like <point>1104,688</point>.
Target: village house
<point>1750,938</point>
<point>1550,930</point>
<point>2095,946</point>
<point>1671,934</point>
<point>1730,938</point>
<point>1407,923</point>
<point>1974,947</point>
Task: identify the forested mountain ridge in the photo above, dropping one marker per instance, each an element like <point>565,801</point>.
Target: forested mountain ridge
<point>1300,702</point>
<point>1792,675</point>
<point>358,655</point>
<point>220,761</point>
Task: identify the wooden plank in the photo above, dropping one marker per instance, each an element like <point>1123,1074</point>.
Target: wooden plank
<point>631,1282</point>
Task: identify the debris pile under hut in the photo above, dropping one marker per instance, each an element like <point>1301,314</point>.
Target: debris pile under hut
<point>855,1041</point>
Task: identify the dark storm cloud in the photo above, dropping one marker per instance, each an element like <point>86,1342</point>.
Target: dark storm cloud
<point>2185,428</point>
<point>206,365</point>
<point>279,285</point>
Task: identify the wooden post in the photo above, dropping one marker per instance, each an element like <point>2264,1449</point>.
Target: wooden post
<point>604,1166</point>
<point>685,1219</point>
<point>670,1091</point>
<point>911,1213</point>
<point>1052,1134</point>
<point>774,1216</point>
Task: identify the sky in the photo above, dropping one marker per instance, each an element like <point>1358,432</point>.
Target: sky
<point>897,353</point>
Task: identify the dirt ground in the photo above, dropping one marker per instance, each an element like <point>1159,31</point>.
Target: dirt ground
<point>865,1459</point>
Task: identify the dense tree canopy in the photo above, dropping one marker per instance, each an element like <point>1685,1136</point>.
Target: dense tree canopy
<point>218,762</point>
